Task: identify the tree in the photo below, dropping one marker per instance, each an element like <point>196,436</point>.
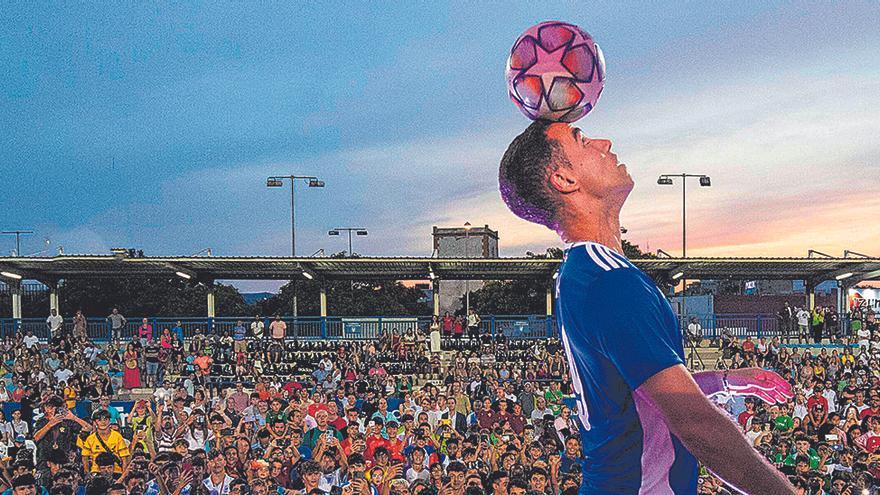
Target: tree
<point>344,298</point>
<point>512,297</point>
<point>149,296</point>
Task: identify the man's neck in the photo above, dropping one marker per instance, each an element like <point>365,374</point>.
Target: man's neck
<point>599,225</point>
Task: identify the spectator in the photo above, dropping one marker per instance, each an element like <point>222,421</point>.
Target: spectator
<point>278,330</point>
<point>54,322</point>
<point>473,325</point>
<point>104,440</point>
<point>80,330</point>
<point>117,324</point>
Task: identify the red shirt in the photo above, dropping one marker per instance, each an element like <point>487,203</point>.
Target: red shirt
<point>447,324</point>
<point>373,442</point>
<point>744,416</point>
<point>869,412</point>
<point>813,401</point>
<point>749,346</point>
<point>458,328</point>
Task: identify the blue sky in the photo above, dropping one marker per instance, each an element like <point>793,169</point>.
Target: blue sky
<point>155,126</point>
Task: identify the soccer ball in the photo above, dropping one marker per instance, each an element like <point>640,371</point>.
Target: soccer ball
<point>555,72</point>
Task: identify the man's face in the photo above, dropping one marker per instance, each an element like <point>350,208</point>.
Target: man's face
<point>594,167</point>
<point>321,418</point>
<point>517,491</point>
<point>218,464</point>
<point>537,482</point>
<point>106,471</point>
<point>571,447</point>
<point>25,490</point>
<point>500,485</point>
<point>457,479</point>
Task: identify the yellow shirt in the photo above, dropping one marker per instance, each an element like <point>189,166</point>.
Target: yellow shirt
<point>91,447</point>
<point>70,397</point>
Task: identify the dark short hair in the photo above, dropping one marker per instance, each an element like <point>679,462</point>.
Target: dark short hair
<point>105,459</point>
<point>524,174</point>
<point>456,467</point>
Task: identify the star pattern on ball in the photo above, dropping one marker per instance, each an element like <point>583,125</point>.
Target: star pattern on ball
<point>548,65</point>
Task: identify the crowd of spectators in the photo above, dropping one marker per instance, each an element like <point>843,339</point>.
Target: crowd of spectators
<point>254,411</point>
<point>827,438</point>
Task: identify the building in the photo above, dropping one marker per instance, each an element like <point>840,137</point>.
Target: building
<point>459,242</point>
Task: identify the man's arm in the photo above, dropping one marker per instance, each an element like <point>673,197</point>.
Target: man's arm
<point>708,434</point>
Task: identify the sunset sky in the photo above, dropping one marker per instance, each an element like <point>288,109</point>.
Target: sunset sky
<point>155,127</point>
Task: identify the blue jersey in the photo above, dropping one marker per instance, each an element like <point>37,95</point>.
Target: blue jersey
<point>618,330</point>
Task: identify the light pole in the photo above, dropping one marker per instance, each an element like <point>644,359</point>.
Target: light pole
<point>278,181</point>
<point>17,234</point>
<point>467,282</point>
<point>356,230</point>
<point>666,180</point>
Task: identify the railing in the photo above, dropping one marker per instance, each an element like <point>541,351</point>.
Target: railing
<point>372,327</point>
<point>756,326</point>
<point>303,327</point>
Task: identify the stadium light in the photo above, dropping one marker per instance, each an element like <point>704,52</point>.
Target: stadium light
<point>356,230</point>
<point>183,275</point>
<point>664,181</point>
<point>11,275</point>
<point>278,181</point>
<point>844,276</point>
<point>677,275</point>
<point>705,181</point>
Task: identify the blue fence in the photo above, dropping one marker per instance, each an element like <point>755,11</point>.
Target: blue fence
<point>756,326</point>
<point>372,327</point>
<point>303,327</point>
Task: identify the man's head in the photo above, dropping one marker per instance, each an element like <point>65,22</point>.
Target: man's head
<point>552,169</point>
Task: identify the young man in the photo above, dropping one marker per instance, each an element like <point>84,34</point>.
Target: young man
<point>645,420</point>
<point>104,439</point>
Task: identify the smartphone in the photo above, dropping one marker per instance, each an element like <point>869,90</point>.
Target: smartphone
<point>357,475</point>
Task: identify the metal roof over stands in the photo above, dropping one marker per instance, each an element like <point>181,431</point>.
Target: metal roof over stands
<point>414,268</point>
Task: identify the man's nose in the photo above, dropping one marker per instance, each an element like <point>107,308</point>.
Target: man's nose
<point>603,145</point>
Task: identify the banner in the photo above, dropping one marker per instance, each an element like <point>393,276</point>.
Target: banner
<point>866,299</point>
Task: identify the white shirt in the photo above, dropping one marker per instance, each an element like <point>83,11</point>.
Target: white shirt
<point>831,397</point>
<point>55,322</point>
<point>222,488</point>
<point>63,374</point>
<point>473,320</point>
<point>30,341</point>
<point>257,328</point>
<point>803,317</point>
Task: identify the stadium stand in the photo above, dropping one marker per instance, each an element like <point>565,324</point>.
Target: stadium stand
<point>235,412</point>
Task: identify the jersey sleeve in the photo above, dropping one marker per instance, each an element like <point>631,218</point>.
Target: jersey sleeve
<point>634,325</point>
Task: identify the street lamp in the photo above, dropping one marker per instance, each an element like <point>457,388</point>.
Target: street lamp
<point>467,282</point>
<point>356,230</point>
<point>278,181</point>
<point>666,180</point>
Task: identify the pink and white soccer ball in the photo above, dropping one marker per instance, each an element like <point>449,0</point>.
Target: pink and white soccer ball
<point>555,72</point>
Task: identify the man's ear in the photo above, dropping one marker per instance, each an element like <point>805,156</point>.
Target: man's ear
<point>563,180</point>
